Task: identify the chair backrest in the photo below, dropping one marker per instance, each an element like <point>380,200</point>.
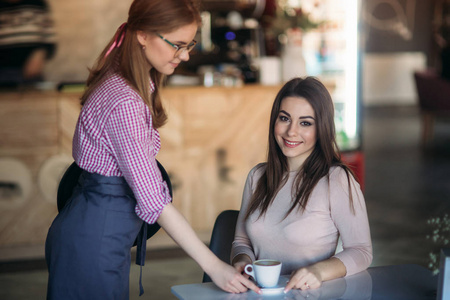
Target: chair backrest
<point>70,179</point>
<point>222,237</point>
<point>432,90</point>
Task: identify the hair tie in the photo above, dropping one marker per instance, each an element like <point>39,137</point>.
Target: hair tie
<point>120,35</point>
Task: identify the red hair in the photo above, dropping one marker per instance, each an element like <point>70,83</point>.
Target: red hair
<point>128,59</point>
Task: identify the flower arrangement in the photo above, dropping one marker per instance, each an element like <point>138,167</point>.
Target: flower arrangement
<point>304,15</point>
<point>440,238</point>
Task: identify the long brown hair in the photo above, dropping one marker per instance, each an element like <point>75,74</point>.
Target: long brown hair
<point>324,155</point>
<point>129,60</point>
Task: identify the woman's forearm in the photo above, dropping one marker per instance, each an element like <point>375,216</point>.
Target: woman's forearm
<point>312,276</point>
<point>329,269</point>
<point>177,227</point>
<point>222,274</point>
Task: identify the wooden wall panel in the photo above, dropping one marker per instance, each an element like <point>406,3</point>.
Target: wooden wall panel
<point>28,137</point>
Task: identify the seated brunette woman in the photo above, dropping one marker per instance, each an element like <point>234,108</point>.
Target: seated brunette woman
<point>297,204</point>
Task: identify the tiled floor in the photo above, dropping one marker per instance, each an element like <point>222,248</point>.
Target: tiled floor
<point>405,186</point>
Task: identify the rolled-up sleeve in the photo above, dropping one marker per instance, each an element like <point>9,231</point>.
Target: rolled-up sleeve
<point>352,224</point>
<point>130,133</point>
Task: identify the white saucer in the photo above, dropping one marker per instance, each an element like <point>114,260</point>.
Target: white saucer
<point>278,289</point>
<point>272,291</point>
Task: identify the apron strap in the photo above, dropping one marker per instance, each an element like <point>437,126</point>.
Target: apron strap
<point>140,253</point>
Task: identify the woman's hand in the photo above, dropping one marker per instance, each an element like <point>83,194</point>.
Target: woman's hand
<point>303,279</point>
<point>239,266</point>
<point>311,277</point>
<point>239,263</point>
<point>230,279</point>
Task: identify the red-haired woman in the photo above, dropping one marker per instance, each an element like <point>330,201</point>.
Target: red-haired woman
<point>115,143</point>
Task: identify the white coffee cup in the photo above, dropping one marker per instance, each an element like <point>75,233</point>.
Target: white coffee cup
<point>266,272</point>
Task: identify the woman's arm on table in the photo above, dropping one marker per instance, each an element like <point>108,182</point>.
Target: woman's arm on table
<point>222,274</point>
<point>353,226</point>
<point>313,275</point>
<point>352,223</point>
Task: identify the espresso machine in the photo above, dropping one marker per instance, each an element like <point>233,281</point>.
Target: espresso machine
<point>230,40</point>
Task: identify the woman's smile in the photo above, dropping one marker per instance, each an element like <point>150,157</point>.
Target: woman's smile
<point>291,144</point>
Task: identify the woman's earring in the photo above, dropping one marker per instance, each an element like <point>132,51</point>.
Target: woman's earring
<point>143,47</point>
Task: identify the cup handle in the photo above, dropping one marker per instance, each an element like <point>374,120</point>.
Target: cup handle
<point>248,269</point>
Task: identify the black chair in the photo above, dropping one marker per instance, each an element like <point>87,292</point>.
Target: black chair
<point>433,93</point>
<point>70,180</point>
<point>222,237</point>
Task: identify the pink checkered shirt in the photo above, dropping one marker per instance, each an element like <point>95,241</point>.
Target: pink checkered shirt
<point>114,136</point>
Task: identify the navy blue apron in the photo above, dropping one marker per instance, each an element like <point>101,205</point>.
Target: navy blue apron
<point>88,244</point>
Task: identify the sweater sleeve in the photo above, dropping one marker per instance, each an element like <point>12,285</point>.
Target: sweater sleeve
<point>351,222</point>
<point>242,243</point>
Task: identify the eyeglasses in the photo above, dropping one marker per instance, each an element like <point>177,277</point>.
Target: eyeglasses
<point>179,49</point>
